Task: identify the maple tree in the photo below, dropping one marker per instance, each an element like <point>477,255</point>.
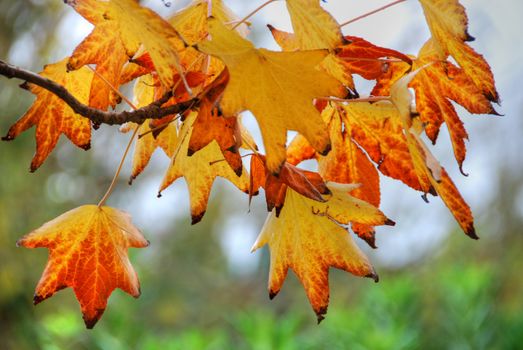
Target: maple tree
<point>195,73</point>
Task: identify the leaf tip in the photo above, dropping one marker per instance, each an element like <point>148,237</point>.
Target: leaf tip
<point>8,137</point>
<point>462,171</point>
<point>86,146</point>
<point>374,276</point>
<point>389,222</point>
<point>468,37</point>
<point>239,170</point>
<point>90,322</point>
<point>196,218</point>
<point>326,150</point>
<point>320,313</point>
<point>273,294</point>
<point>34,167</point>
<point>471,232</point>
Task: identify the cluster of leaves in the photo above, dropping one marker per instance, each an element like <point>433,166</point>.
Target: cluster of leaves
<point>201,55</point>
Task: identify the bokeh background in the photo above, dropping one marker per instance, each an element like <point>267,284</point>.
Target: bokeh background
<point>202,288</point>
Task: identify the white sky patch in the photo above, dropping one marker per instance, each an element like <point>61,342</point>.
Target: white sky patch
<point>237,236</point>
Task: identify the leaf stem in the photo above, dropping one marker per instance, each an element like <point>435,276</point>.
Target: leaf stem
<point>117,173</point>
<point>372,12</point>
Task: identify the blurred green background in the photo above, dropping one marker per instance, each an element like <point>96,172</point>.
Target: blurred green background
<point>200,287</point>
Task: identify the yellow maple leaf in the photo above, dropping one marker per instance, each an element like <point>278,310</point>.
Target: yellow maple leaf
<point>314,28</point>
<point>191,21</point>
<point>308,238</point>
<point>199,170</point>
<point>88,252</point>
<point>52,116</point>
<point>121,27</point>
<point>277,87</point>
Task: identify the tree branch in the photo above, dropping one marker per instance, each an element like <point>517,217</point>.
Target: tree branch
<point>97,116</point>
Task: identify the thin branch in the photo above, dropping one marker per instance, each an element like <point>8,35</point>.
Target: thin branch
<point>372,12</point>
<point>97,116</point>
<point>244,19</point>
<point>361,99</point>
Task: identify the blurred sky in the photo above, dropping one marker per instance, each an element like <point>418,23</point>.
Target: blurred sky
<point>495,142</point>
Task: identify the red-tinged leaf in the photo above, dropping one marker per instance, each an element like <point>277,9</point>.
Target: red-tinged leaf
<point>347,163</point>
<point>88,252</point>
<point>363,58</point>
<point>130,25</point>
<point>52,116</point>
<point>448,23</point>
<point>306,183</point>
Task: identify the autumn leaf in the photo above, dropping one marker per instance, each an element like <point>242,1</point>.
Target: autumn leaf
<point>281,99</point>
<point>361,57</point>
<point>306,183</point>
<point>199,170</point>
<point>52,116</point>
<point>121,26</point>
<point>191,21</point>
<point>448,24</point>
<point>210,125</point>
<point>377,129</point>
<point>431,174</point>
<point>435,87</point>
<point>314,28</point>
<point>347,163</point>
<point>308,238</point>
<point>88,252</point>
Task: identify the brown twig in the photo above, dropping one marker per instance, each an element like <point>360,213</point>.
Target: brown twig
<point>97,116</point>
<point>372,12</point>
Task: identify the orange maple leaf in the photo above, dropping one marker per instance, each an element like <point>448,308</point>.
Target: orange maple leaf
<point>448,23</point>
<point>88,252</point>
<point>121,27</point>
<point>430,173</point>
<point>308,238</point>
<point>363,58</point>
<point>52,116</point>
<point>211,125</point>
<point>347,163</point>
<point>435,86</point>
